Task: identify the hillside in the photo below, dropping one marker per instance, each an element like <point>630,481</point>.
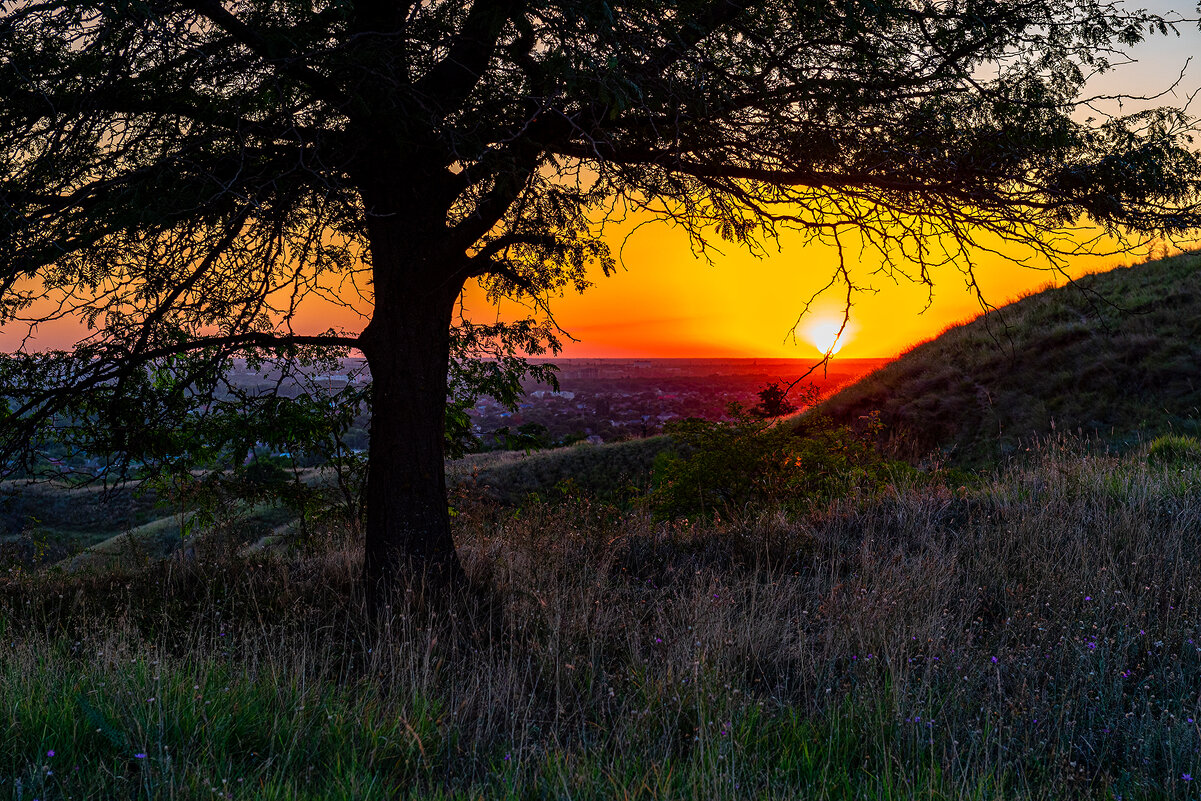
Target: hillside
<point>1117,356</point>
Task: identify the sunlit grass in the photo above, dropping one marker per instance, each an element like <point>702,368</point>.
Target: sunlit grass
<point>1035,637</point>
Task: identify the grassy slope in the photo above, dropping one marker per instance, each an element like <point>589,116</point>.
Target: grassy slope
<point>614,471</point>
<point>1120,360</point>
<point>48,522</point>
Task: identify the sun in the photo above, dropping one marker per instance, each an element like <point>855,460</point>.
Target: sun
<point>827,334</point>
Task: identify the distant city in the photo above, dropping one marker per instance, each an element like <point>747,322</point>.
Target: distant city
<point>603,400</point>
<point>606,400</point>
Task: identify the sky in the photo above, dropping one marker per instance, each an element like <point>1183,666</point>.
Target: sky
<point>663,301</point>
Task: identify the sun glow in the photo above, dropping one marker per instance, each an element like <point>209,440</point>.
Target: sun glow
<point>827,334</point>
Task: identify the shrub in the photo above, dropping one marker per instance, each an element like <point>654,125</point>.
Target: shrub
<point>1174,449</point>
<point>748,464</point>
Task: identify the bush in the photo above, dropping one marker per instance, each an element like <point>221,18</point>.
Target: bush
<point>1174,449</point>
<point>749,464</point>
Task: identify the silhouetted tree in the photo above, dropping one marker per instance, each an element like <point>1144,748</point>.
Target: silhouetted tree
<point>773,401</point>
<point>182,174</point>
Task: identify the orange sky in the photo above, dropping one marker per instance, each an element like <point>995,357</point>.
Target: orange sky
<point>665,302</point>
<point>668,303</point>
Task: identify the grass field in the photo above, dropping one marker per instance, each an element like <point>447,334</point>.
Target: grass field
<point>1032,636</point>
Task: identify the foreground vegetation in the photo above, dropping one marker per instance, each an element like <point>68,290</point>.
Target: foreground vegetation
<point>1032,636</point>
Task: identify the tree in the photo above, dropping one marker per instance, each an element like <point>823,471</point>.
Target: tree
<point>773,401</point>
<point>183,174</point>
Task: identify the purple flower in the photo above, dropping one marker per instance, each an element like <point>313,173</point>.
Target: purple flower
<point>994,660</point>
<point>1188,777</point>
<point>139,756</point>
<point>50,752</point>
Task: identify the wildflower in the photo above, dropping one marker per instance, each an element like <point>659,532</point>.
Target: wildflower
<point>1188,777</point>
<point>139,756</point>
<point>1092,646</point>
<point>50,753</point>
<point>994,660</point>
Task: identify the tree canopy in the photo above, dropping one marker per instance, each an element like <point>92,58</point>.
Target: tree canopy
<point>183,175</point>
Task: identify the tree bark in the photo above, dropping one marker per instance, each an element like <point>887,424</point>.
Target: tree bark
<point>407,346</point>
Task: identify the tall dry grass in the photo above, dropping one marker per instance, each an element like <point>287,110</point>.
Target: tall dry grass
<point>1033,637</point>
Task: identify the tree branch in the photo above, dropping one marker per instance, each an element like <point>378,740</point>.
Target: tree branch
<point>452,79</point>
<point>291,64</point>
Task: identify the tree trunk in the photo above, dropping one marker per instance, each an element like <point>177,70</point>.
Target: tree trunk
<point>407,346</point>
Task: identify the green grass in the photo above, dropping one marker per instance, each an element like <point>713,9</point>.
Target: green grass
<point>616,472</point>
<point>1033,636</point>
<point>1116,358</point>
<point>52,521</point>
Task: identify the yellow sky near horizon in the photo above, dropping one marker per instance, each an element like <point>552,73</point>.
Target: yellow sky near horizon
<point>665,302</point>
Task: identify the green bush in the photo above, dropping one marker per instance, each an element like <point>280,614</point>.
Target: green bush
<point>1174,449</point>
<point>748,464</point>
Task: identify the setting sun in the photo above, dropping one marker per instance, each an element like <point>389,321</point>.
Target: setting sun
<point>827,334</point>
